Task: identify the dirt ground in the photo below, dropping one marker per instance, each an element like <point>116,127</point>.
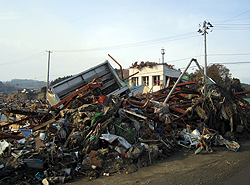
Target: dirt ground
<point>220,167</point>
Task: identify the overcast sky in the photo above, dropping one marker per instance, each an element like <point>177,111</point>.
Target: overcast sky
<point>82,33</point>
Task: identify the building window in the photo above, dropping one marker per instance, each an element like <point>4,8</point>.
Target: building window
<point>156,80</point>
<point>145,80</point>
<point>134,81</point>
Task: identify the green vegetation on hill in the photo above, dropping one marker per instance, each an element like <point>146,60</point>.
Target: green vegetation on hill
<point>12,86</point>
<point>246,87</point>
<point>24,83</point>
<point>7,89</point>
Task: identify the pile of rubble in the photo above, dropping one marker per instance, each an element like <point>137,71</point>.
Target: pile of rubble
<point>92,135</point>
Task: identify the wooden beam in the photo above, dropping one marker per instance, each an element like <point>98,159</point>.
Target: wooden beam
<point>45,124</point>
<point>5,135</point>
<point>18,121</point>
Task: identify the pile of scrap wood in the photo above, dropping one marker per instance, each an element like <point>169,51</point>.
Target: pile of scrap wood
<point>92,135</point>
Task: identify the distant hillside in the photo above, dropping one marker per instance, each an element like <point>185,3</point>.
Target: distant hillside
<point>7,89</point>
<point>27,84</point>
<point>246,87</point>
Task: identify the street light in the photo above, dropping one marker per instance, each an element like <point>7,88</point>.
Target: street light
<point>163,53</point>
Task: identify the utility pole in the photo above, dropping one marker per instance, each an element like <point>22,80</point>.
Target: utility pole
<point>206,25</point>
<point>49,52</point>
<point>163,53</point>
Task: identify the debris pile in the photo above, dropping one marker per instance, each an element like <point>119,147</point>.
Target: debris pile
<point>92,134</point>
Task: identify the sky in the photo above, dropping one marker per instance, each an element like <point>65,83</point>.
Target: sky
<point>80,34</point>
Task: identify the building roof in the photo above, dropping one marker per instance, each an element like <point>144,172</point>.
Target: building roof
<point>148,64</point>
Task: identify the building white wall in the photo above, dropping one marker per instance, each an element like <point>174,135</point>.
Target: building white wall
<point>159,69</point>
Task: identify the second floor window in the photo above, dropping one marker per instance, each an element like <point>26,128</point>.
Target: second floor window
<point>134,81</point>
<point>145,80</point>
<point>156,80</point>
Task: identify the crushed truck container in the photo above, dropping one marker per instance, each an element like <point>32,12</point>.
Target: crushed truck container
<point>111,83</point>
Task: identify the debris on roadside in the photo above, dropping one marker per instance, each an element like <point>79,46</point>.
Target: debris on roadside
<point>94,127</point>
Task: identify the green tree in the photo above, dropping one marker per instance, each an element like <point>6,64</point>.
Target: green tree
<point>236,85</point>
<point>59,80</point>
<point>43,89</point>
<point>218,72</point>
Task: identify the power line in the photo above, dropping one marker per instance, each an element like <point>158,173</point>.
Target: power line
<point>210,55</point>
<point>234,17</point>
<point>238,19</point>
<point>247,62</point>
<point>24,59</point>
<point>232,29</point>
<point>241,24</point>
<point>183,59</point>
<point>234,26</point>
<point>137,44</point>
<point>226,63</point>
<point>228,54</point>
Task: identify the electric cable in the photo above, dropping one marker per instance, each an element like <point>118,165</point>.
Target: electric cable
<point>137,44</point>
<point>24,59</point>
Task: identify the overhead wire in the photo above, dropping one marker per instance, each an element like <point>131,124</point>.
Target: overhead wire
<point>137,44</point>
<point>237,24</point>
<point>223,25</point>
<point>199,50</point>
<point>222,22</point>
<point>232,29</point>
<point>228,54</point>
<point>240,62</point>
<point>24,59</point>
<point>232,20</point>
<point>233,26</point>
<point>220,26</point>
<point>215,54</point>
<point>223,63</point>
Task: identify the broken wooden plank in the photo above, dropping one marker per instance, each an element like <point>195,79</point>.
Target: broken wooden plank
<point>45,124</point>
<point>18,121</point>
<point>68,139</point>
<point>5,135</point>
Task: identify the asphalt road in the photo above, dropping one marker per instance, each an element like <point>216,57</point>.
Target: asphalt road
<point>220,167</point>
<point>240,178</point>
